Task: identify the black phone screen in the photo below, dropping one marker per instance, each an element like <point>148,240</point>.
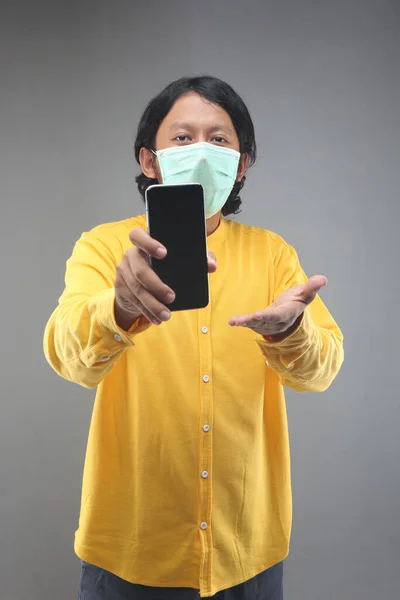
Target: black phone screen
<point>175,215</point>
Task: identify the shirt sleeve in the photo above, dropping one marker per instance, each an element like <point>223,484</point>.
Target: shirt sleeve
<point>309,359</point>
<point>82,341</point>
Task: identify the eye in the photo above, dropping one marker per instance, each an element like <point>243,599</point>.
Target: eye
<point>182,138</point>
<point>219,140</point>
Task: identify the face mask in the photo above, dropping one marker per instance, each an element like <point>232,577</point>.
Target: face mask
<point>215,168</point>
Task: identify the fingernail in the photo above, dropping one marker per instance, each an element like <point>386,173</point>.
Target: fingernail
<point>161,252</point>
<point>170,297</point>
<point>165,315</point>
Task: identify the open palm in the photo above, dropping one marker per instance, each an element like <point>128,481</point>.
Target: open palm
<point>284,311</point>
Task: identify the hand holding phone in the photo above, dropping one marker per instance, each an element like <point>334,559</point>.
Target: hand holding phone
<point>138,290</point>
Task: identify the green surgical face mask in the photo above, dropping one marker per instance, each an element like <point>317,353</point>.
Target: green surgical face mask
<point>215,168</point>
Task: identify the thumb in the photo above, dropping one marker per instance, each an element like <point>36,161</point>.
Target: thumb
<point>212,262</point>
<point>312,287</point>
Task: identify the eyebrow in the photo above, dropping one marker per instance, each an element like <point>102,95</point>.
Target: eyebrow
<point>184,125</point>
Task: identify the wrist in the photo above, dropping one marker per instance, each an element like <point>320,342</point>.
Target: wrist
<point>279,337</point>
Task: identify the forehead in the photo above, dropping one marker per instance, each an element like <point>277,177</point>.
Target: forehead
<point>194,110</point>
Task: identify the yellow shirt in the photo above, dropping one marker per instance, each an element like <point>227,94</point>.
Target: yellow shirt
<point>187,474</point>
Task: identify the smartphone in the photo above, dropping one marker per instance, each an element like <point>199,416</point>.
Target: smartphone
<point>176,218</point>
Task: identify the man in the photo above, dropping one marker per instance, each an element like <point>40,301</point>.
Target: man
<point>186,485</point>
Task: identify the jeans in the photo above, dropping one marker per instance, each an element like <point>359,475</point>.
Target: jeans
<point>98,584</point>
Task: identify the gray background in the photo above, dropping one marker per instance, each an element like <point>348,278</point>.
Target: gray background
<point>322,82</point>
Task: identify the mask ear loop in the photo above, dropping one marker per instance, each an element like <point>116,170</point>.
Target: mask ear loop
<point>156,155</point>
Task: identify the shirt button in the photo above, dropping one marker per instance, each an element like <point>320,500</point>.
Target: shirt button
<point>117,337</point>
<point>203,525</point>
<point>206,428</point>
<point>204,329</point>
<point>204,474</point>
<point>206,378</point>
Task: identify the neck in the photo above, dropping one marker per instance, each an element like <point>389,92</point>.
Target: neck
<point>213,223</point>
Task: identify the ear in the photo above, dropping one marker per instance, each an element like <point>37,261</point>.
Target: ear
<point>146,159</point>
<point>244,159</point>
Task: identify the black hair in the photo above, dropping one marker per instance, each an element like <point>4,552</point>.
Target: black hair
<point>215,91</point>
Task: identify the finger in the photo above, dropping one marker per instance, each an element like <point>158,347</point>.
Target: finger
<point>241,321</point>
<point>127,304</point>
<point>143,241</point>
<point>149,316</point>
<point>138,305</point>
<point>269,316</point>
<point>212,262</point>
<point>148,279</point>
<point>312,287</point>
<point>238,320</point>
<point>159,311</point>
<point>150,307</point>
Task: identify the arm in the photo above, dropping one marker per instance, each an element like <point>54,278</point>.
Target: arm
<point>82,341</point>
<point>309,358</point>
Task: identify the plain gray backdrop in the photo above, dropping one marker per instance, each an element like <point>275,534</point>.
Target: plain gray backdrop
<point>321,80</point>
